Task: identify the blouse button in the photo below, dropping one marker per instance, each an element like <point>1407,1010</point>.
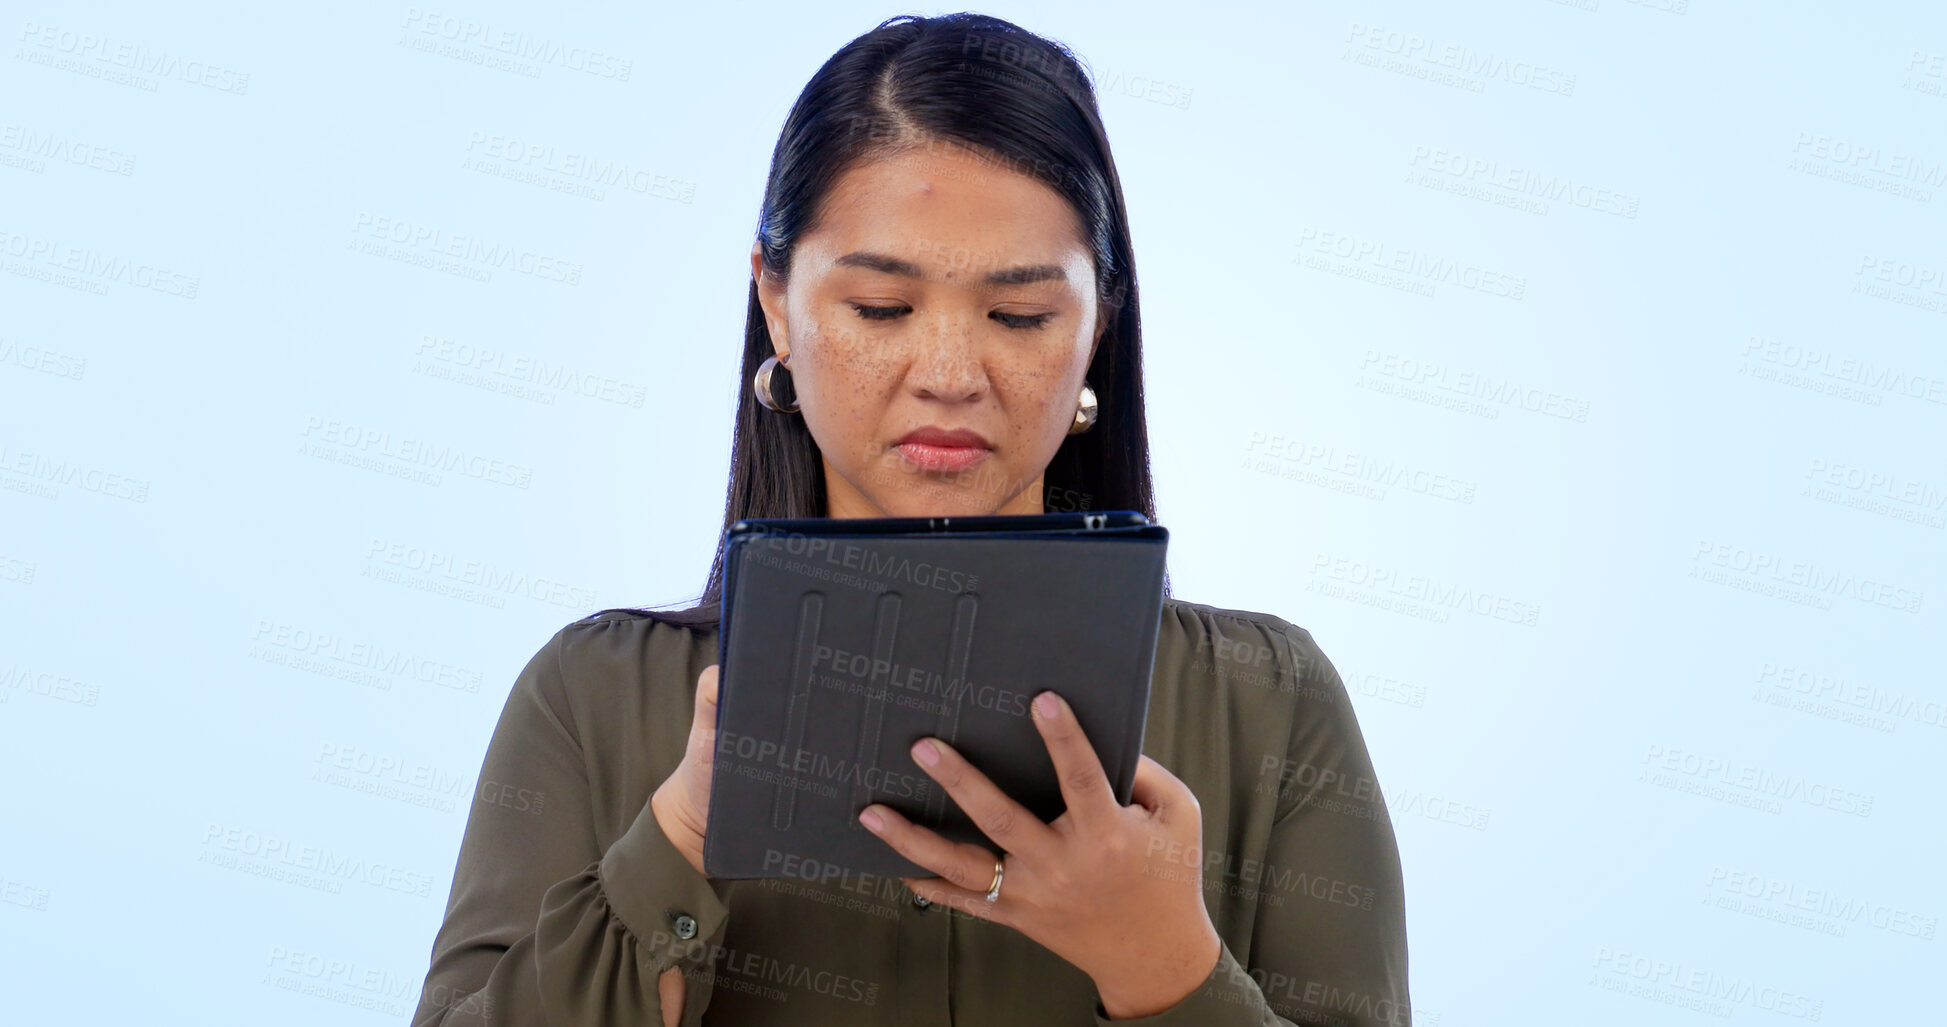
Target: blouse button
<point>685,927</point>
<point>920,902</point>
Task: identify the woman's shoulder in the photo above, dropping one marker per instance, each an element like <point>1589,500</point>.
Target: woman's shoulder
<point>628,633</point>
<point>1245,640</point>
<point>1271,674</point>
<point>1207,614</point>
<point>600,667</point>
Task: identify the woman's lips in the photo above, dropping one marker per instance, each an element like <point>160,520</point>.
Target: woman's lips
<point>942,458</point>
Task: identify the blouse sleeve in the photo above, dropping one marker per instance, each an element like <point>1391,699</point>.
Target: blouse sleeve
<point>1329,942</point>
<point>543,927</point>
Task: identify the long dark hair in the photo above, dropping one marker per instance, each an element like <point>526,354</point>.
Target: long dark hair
<point>1014,98</point>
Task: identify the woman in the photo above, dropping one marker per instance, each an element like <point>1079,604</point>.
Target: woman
<point>943,321</point>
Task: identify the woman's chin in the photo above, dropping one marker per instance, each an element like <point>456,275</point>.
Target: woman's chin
<point>941,502</point>
<point>903,488</point>
<point>922,495</point>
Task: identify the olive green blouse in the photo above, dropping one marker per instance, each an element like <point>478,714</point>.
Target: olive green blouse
<point>568,899</point>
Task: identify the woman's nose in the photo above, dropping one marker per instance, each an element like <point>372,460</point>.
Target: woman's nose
<point>946,363</point>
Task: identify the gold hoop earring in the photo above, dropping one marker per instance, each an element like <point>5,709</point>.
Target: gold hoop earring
<point>761,384</point>
<point>1084,412</point>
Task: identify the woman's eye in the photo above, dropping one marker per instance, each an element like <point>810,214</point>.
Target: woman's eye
<point>1023,320</point>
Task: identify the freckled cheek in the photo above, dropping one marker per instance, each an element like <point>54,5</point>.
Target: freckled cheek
<point>1034,394</point>
<point>853,351</point>
<point>820,360</point>
<point>844,381</point>
<point>852,384</point>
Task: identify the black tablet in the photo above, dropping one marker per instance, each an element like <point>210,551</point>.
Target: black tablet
<point>843,641</point>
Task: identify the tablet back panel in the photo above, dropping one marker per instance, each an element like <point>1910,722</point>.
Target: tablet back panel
<point>842,650</point>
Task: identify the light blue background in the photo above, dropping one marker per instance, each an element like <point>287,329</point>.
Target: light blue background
<point>167,540</point>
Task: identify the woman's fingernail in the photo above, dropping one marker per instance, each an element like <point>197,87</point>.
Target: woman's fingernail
<point>927,751</point>
<point>870,818</point>
<point>1047,705</point>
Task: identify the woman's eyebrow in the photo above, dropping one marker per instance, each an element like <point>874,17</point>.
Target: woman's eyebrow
<point>1022,275</point>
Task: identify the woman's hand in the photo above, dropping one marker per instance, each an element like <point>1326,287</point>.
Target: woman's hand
<point>681,804</point>
<point>1115,890</point>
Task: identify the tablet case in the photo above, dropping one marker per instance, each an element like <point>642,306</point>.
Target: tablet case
<point>844,641</point>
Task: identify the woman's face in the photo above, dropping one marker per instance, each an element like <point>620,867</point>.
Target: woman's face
<point>939,291</point>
